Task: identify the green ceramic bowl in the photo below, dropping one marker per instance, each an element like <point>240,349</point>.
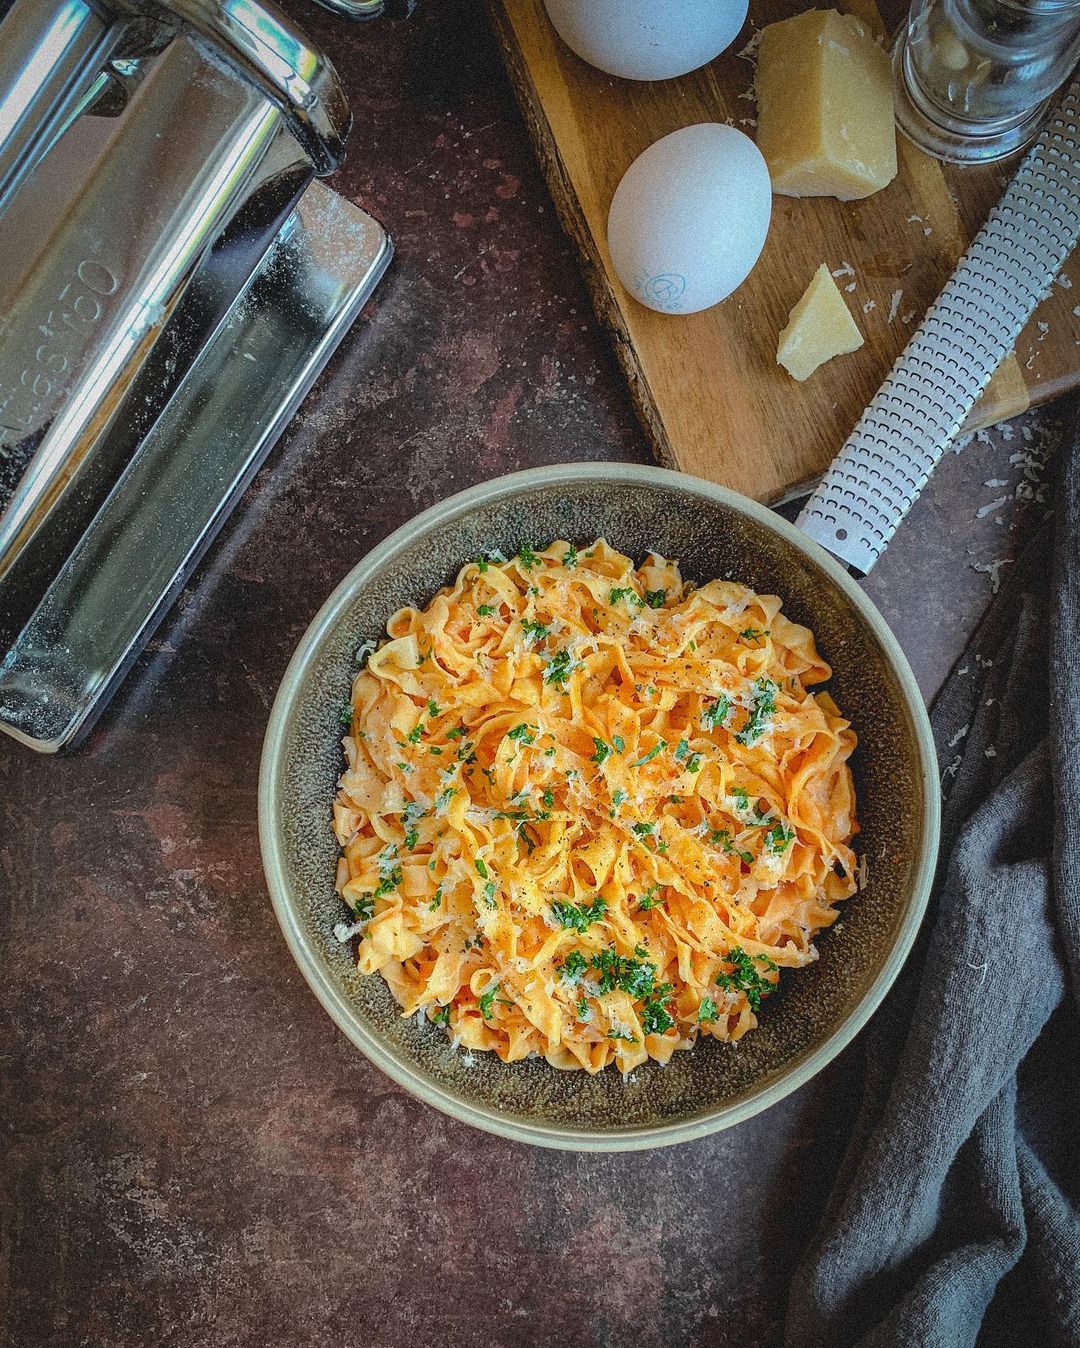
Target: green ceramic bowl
<point>713,533</point>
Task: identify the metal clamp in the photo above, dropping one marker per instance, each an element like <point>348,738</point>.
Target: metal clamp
<point>270,50</point>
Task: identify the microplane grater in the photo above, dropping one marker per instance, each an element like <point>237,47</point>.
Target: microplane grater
<point>967,332</point>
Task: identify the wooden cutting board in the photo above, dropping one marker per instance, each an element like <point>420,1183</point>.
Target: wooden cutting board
<point>707,387</point>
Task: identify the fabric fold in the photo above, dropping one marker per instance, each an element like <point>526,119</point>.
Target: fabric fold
<point>958,1194</point>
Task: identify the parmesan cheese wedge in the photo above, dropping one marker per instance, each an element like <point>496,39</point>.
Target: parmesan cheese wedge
<point>825,107</point>
<point>820,327</point>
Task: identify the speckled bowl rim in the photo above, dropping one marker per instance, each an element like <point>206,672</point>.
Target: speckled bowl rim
<point>289,910</point>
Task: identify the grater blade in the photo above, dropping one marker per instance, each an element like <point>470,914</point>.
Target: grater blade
<point>967,332</point>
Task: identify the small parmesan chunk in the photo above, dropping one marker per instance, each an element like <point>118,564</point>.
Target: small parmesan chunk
<point>825,107</point>
<point>819,328</point>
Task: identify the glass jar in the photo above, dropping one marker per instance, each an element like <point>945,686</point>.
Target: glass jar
<point>973,77</point>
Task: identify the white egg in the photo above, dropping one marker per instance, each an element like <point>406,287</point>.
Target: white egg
<point>647,39</point>
<point>689,219</point>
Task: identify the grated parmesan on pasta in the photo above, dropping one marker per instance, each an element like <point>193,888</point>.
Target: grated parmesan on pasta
<point>590,811</point>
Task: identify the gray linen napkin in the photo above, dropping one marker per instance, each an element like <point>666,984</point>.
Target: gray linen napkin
<point>955,1216</point>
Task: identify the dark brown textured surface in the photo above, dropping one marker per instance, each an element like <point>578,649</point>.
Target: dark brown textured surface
<point>191,1153</point>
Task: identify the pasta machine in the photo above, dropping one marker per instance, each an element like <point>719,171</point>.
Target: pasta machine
<point>173,277</point>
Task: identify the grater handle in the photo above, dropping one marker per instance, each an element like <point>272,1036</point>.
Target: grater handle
<point>967,332</point>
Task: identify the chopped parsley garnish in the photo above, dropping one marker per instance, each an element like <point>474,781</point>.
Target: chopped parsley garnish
<point>445,796</point>
<point>416,732</point>
<point>631,596</point>
<point>644,828</point>
<point>742,804</point>
<point>485,610</point>
<point>656,598</point>
<point>603,752</point>
<point>411,839</point>
<point>655,1016</point>
<point>534,631</point>
<point>574,918</point>
<point>716,713</point>
<point>465,753</point>
<point>618,744</point>
<point>481,868</point>
<point>636,977</point>
<point>456,733</point>
<point>436,899</point>
<point>391,880</point>
<point>765,692</point>
<point>648,758</point>
<point>721,837</point>
<point>570,556</point>
<point>441,1016</point>
<point>753,633</point>
<point>618,796</point>
<point>583,1011</point>
<point>487,999</point>
<point>559,669</point>
<point>489,893</point>
<point>779,839</point>
<point>487,557</point>
<point>707,1010</point>
<point>526,733</point>
<point>746,975</point>
<point>573,967</point>
<point>693,761</point>
<point>618,1032</point>
<point>364,907</point>
<point>650,900</point>
<point>433,708</point>
<point>345,714</point>
<point>527,557</point>
<point>548,798</point>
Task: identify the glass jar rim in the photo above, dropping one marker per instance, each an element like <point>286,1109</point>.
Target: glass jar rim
<point>1037,7</point>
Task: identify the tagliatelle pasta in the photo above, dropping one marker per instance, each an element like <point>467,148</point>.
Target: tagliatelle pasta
<point>590,811</point>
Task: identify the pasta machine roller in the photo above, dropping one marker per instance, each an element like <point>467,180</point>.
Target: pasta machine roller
<point>173,276</point>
